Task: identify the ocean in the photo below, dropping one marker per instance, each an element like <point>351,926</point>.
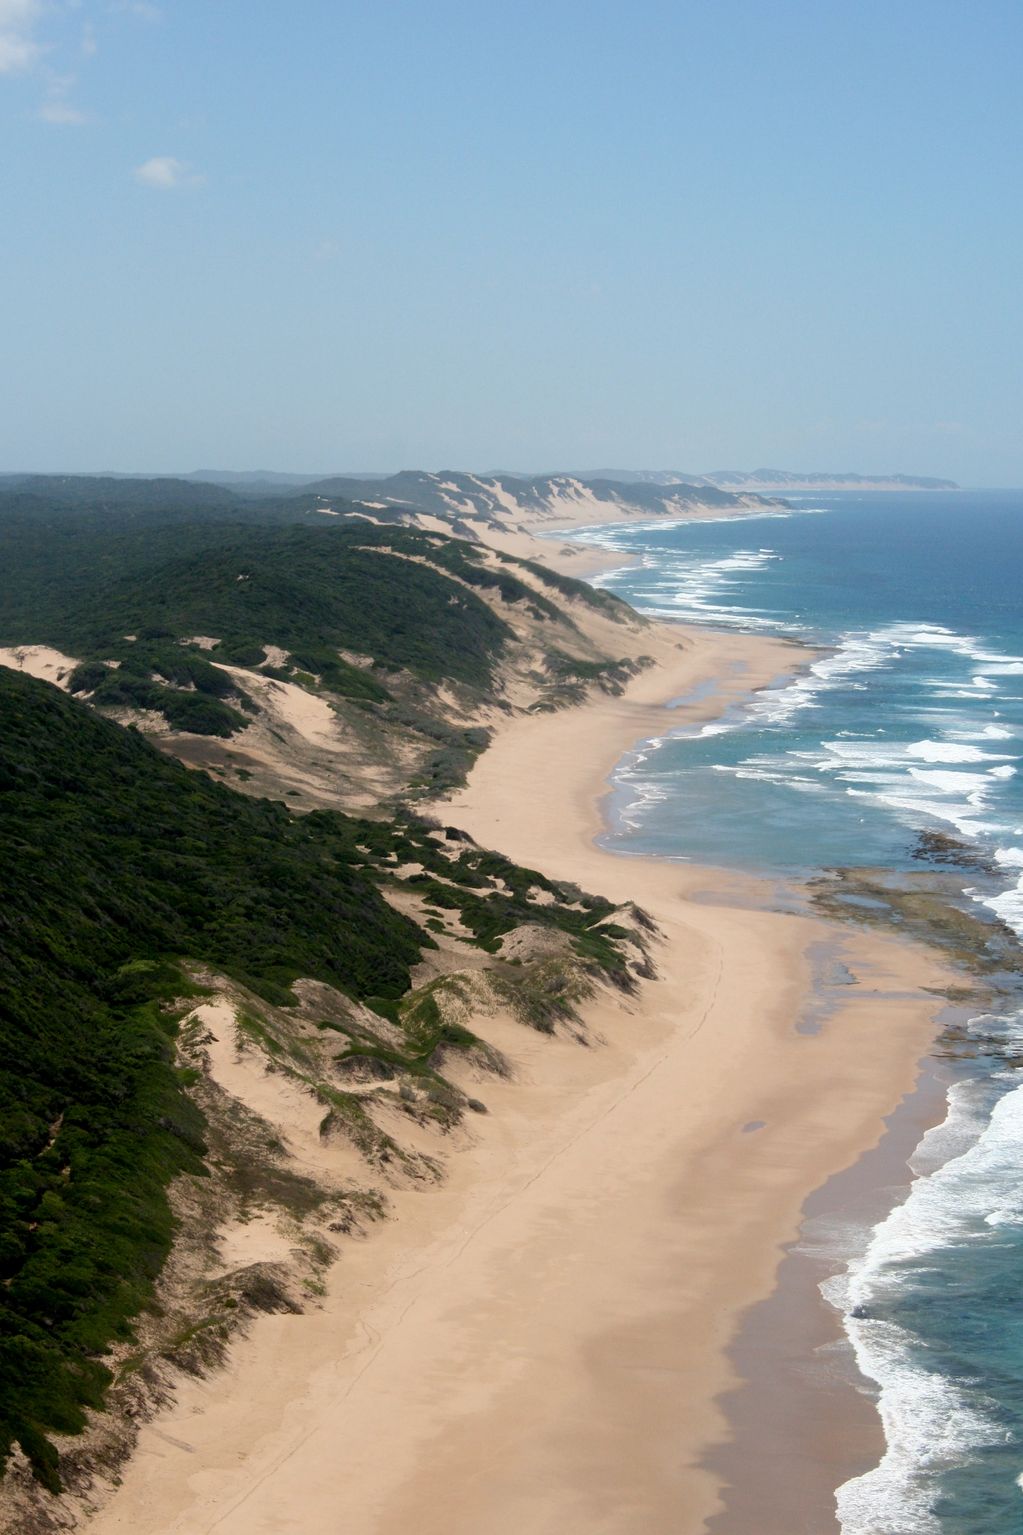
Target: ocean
<point>907,725</point>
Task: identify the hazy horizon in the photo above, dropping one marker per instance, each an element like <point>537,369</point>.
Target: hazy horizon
<point>711,234</point>
<point>249,475</point>
<point>356,474</point>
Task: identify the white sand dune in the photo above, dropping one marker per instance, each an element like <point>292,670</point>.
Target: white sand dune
<point>39,661</point>
<point>258,1240</point>
<point>310,716</point>
<point>243,1071</point>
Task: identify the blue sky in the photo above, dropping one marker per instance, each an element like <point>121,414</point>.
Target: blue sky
<point>574,233</point>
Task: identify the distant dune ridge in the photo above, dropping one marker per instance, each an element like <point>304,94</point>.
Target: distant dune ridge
<point>772,480</point>
<point>510,500</point>
<point>785,479</point>
<point>505,497</point>
<point>646,487</point>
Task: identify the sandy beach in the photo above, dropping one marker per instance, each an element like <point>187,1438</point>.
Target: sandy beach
<point>539,1344</point>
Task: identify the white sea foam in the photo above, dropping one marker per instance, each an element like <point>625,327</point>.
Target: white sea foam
<point>930,1426</point>
<point>687,586</point>
<point>777,706</point>
<point>964,780</point>
<point>893,773</point>
<point>968,1187</point>
<point>1008,907</point>
<point>863,651</point>
<point>950,751</point>
<point>974,787</point>
<point>917,808</point>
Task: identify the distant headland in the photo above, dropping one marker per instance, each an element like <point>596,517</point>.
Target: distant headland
<point>779,481</point>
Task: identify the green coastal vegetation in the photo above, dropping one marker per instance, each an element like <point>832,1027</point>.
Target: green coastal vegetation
<point>122,869</point>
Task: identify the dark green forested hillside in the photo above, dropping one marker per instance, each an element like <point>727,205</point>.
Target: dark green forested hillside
<point>302,588</point>
<point>105,493</point>
<point>130,595</point>
<point>384,593</point>
<point>281,585</point>
<point>73,573</point>
<point>116,861</point>
<point>127,600</point>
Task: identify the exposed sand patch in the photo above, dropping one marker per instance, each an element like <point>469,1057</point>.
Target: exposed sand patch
<point>295,1113</point>
<point>299,746</point>
<point>312,717</point>
<point>149,721</point>
<point>40,661</point>
<point>431,524</point>
<point>258,1240</point>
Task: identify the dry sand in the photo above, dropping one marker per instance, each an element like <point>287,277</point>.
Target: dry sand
<point>311,716</point>
<point>538,1345</point>
<point>39,661</point>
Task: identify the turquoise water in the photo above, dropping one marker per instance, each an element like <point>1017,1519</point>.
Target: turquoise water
<point>909,721</point>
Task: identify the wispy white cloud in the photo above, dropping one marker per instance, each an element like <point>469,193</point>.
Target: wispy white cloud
<point>57,108</point>
<point>19,49</point>
<point>62,114</point>
<point>166,174</point>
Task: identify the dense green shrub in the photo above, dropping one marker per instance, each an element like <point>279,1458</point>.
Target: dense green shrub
<point>87,677</point>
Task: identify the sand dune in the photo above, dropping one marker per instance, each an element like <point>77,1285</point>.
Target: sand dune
<point>39,661</point>
<point>537,1345</point>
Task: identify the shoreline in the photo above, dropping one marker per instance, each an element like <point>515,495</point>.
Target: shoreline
<point>802,1419</point>
<point>525,1304</point>
<point>781,1394</point>
<point>746,1516</point>
<point>538,538</point>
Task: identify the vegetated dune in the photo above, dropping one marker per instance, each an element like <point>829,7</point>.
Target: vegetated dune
<point>249,1016</point>
<point>517,501</point>
<point>331,665</point>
